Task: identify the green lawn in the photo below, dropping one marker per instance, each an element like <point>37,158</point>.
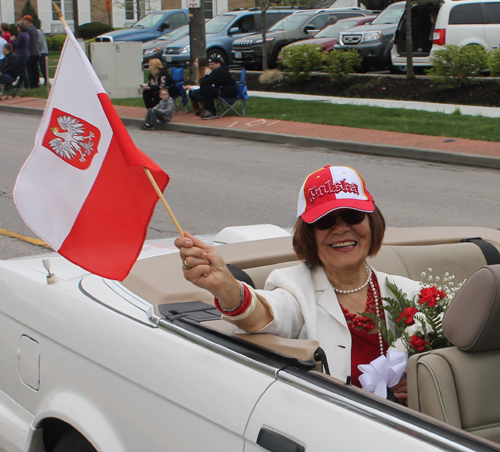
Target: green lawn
<point>376,118</point>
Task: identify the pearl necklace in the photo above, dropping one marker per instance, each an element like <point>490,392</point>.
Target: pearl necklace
<point>368,272</point>
<point>369,280</point>
<point>377,311</point>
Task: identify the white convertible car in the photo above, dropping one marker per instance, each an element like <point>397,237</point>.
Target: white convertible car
<point>147,365</point>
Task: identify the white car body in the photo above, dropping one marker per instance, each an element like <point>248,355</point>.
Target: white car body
<point>88,354</point>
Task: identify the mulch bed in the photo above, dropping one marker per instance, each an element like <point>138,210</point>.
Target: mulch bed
<point>484,93</point>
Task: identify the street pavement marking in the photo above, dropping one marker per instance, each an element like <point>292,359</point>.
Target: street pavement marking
<point>24,238</point>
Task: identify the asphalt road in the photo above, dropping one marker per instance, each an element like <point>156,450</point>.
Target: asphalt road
<point>218,182</point>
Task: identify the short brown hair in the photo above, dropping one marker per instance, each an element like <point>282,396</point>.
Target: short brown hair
<point>304,239</point>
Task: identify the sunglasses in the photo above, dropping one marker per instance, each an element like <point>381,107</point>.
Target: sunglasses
<point>349,217</point>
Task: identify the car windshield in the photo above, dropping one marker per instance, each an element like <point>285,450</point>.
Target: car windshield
<point>390,15</point>
<point>218,23</point>
<point>291,22</point>
<point>175,34</point>
<point>333,30</point>
<point>149,21</point>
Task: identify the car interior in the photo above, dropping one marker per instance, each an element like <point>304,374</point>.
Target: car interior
<point>442,384</point>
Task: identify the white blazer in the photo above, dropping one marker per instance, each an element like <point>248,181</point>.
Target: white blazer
<point>305,306</point>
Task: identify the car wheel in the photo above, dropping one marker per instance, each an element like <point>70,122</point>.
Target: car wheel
<point>217,53</point>
<point>397,69</point>
<point>73,441</point>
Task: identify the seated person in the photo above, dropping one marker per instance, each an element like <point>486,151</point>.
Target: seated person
<point>202,69</point>
<point>332,20</point>
<point>210,87</point>
<point>163,112</point>
<point>427,44</point>
<point>326,296</point>
<point>9,66</point>
<point>159,77</point>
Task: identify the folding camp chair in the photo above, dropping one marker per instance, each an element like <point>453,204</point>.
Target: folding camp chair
<point>224,104</point>
<point>12,89</point>
<point>180,97</point>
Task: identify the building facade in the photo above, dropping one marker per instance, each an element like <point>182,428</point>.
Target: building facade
<point>123,12</point>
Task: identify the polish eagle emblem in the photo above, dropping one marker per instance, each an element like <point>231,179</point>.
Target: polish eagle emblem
<point>72,139</point>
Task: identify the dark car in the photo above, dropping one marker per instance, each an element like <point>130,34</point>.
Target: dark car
<point>374,41</point>
<point>300,25</point>
<point>154,49</point>
<point>149,27</point>
<point>328,36</point>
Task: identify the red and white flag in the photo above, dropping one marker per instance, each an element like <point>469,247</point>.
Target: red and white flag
<point>83,189</point>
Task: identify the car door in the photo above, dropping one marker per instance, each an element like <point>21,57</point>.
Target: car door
<point>305,412</point>
<point>491,12</point>
<point>465,22</point>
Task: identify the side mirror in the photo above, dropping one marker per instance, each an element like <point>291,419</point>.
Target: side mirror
<point>163,26</point>
<point>308,28</point>
<point>233,31</point>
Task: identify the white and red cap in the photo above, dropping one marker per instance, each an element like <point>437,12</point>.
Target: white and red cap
<point>332,188</point>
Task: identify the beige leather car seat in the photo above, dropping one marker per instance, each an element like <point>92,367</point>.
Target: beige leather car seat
<point>460,385</point>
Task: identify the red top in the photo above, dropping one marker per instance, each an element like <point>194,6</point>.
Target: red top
<point>365,348</point>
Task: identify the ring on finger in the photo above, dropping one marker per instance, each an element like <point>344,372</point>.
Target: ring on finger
<point>186,266</point>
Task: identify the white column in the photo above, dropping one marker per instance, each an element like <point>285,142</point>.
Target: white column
<point>220,7</point>
<point>7,11</point>
<point>118,12</point>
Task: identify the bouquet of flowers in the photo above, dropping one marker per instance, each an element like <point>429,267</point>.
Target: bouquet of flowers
<point>419,321</point>
<point>419,328</point>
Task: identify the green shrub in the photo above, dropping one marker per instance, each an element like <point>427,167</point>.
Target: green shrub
<point>50,42</point>
<point>29,9</point>
<point>455,66</point>
<point>340,64</point>
<point>58,41</point>
<point>300,60</point>
<point>494,62</point>
<point>92,29</point>
<point>13,30</point>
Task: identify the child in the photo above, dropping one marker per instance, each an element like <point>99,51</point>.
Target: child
<point>164,111</point>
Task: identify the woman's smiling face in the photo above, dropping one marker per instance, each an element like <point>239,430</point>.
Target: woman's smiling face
<point>343,246</point>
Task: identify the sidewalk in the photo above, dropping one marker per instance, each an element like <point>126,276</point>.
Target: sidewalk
<point>344,139</point>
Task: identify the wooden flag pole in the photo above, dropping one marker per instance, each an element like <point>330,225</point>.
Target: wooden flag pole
<point>148,173</point>
<point>163,200</point>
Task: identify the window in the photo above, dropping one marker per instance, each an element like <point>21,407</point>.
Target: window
<point>176,20</point>
<point>492,12</point>
<point>246,24</point>
<point>66,8</point>
<point>466,14</point>
<point>209,9</point>
<point>131,9</point>
<point>271,19</point>
<point>318,21</point>
<point>218,23</point>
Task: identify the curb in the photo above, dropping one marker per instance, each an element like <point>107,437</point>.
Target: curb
<point>427,155</point>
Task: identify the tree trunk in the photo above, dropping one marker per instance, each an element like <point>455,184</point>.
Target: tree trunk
<point>264,36</point>
<point>410,72</point>
<point>197,41</point>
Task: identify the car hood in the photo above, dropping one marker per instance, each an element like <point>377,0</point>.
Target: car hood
<point>151,44</point>
<point>319,41</point>
<point>370,27</point>
<point>126,33</point>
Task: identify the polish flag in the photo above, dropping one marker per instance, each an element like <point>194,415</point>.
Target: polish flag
<point>83,188</point>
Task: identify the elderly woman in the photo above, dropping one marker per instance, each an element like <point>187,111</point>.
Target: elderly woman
<point>325,297</point>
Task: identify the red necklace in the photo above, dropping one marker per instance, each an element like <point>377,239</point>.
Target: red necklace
<point>361,322</point>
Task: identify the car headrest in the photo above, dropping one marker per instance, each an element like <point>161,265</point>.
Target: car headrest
<point>471,321</point>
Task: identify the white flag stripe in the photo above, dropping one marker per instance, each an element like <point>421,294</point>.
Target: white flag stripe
<point>75,80</point>
<point>343,172</point>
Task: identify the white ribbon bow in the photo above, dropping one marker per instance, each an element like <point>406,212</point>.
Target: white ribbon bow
<point>383,372</point>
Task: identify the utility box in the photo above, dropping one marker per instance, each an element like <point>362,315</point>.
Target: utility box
<point>119,67</point>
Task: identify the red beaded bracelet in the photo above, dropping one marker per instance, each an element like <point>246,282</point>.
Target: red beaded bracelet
<point>243,303</point>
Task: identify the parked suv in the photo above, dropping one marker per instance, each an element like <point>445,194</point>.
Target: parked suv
<point>221,31</point>
<point>459,23</point>
<point>300,25</point>
<point>149,27</point>
<point>374,41</point>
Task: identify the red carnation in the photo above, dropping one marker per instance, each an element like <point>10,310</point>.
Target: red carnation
<point>408,313</point>
<point>430,296</point>
<point>418,343</point>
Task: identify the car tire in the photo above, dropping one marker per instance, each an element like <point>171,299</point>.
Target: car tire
<point>218,53</point>
<point>74,441</point>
